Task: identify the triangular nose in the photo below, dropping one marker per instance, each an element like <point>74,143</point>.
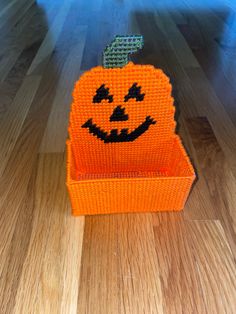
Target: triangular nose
<point>119,114</point>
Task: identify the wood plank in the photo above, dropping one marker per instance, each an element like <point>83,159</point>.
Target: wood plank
<point>53,255</point>
<point>211,107</point>
<point>218,174</point>
<point>46,49</point>
<point>221,85</point>
<point>14,79</point>
<point>200,205</point>
<point>216,66</point>
<point>7,33</point>
<point>14,11</point>
<point>20,165</point>
<point>92,50</point>
<point>119,271</point>
<point>12,263</point>
<point>56,131</point>
<point>177,41</point>
<point>181,288</point>
<point>215,265</point>
<point>7,8</point>
<point>14,118</point>
<point>196,265</point>
<point>30,31</point>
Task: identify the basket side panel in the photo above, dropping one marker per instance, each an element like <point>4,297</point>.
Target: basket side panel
<point>158,159</point>
<point>117,196</point>
<point>179,164</point>
<point>71,168</point>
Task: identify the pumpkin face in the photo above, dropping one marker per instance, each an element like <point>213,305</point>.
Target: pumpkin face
<point>120,105</point>
<point>116,135</point>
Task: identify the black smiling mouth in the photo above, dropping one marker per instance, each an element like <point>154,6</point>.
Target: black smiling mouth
<point>123,136</point>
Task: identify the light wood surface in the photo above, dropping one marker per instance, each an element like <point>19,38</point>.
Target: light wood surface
<point>51,262</point>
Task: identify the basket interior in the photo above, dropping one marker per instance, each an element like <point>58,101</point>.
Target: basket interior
<point>174,163</point>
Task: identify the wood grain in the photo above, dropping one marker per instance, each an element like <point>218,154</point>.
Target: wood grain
<point>56,270</point>
<point>51,262</point>
<point>200,205</point>
<point>12,83</point>
<point>12,45</point>
<point>214,264</point>
<point>15,116</point>
<point>220,179</point>
<point>56,131</point>
<point>119,263</point>
<point>13,261</point>
<point>177,265</point>
<point>194,261</point>
<point>49,42</point>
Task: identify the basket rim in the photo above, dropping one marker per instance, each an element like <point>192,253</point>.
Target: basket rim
<point>75,182</point>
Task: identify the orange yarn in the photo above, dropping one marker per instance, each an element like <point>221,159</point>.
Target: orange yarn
<point>123,153</point>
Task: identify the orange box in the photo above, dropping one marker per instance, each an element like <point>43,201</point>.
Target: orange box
<point>165,189</point>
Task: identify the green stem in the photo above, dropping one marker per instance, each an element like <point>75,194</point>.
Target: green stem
<point>116,55</point>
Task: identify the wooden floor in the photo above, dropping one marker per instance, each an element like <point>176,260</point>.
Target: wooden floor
<point>51,262</point>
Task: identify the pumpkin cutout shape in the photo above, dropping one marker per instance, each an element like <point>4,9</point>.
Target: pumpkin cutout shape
<point>122,137</point>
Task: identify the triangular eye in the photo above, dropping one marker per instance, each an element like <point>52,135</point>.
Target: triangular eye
<point>102,93</point>
<point>135,92</point>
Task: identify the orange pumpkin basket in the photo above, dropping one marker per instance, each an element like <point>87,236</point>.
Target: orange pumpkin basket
<point>123,154</point>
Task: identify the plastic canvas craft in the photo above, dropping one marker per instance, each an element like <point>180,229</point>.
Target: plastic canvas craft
<point>123,154</point>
